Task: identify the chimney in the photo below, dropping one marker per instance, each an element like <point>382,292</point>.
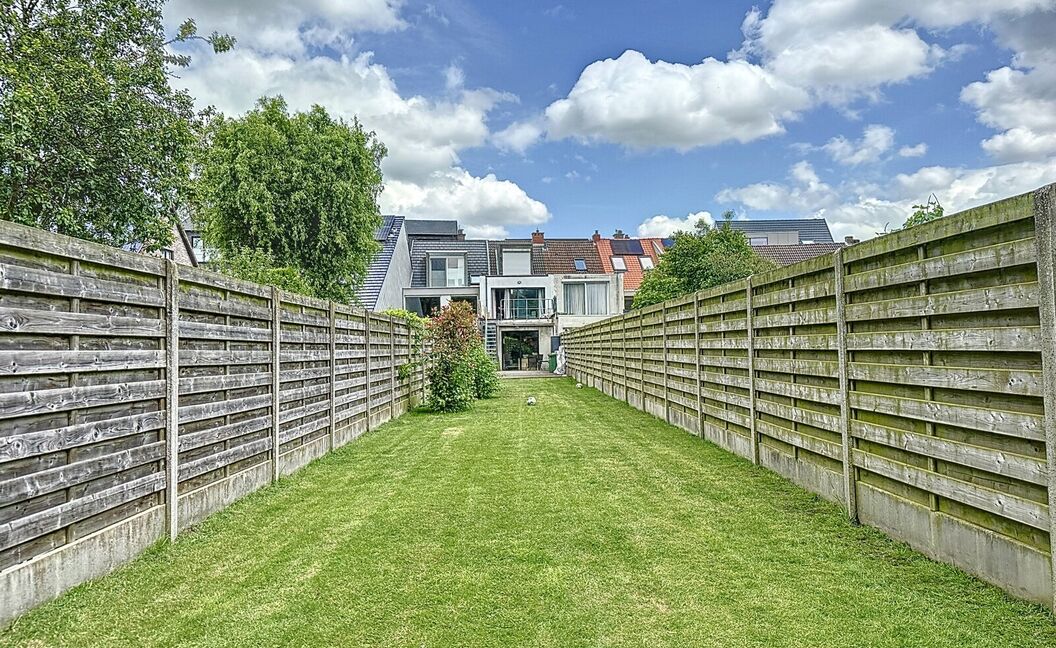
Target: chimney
<point>850,240</point>
<point>618,234</point>
<point>596,237</point>
<point>461,235</point>
<point>537,238</point>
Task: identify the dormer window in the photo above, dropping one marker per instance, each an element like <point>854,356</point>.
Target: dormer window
<point>581,265</point>
<point>759,240</point>
<point>447,271</point>
<point>516,262</point>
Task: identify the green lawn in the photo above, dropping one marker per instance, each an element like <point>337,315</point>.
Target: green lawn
<point>577,522</point>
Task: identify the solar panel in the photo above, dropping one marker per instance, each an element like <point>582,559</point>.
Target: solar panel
<point>627,247</point>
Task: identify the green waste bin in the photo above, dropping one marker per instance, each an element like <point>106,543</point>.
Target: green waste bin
<point>553,362</point>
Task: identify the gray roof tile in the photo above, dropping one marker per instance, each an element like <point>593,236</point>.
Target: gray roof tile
<point>476,257</point>
<point>810,229</point>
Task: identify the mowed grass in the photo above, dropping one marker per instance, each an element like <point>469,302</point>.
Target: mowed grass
<point>577,522</point>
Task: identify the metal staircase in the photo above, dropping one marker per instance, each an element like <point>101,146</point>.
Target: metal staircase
<point>491,339</point>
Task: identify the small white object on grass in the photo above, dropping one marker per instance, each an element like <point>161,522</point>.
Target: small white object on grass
<point>531,400</point>
<point>579,385</point>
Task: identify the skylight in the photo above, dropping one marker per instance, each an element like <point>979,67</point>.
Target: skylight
<point>581,265</point>
<point>618,264</point>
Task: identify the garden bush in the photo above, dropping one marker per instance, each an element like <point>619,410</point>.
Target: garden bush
<point>453,334</point>
<point>485,373</point>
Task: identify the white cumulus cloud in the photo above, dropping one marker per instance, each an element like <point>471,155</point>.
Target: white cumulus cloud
<point>519,136</point>
<point>643,104</point>
<point>424,136</point>
<point>917,150</point>
<point>661,226</point>
<point>866,210</point>
<point>875,142</point>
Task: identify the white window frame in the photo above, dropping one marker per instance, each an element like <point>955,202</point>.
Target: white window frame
<point>618,264</point>
<point>646,262</point>
<point>523,257</point>
<point>581,288</point>
<point>758,240</point>
<point>454,277</point>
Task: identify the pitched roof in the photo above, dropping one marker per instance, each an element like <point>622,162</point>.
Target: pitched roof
<point>476,257</point>
<point>426,227</point>
<point>626,248</point>
<point>815,230</point>
<point>495,249</point>
<point>559,256</point>
<point>784,255</point>
<point>387,236</point>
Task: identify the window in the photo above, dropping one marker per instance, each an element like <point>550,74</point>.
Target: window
<point>447,271</point>
<point>618,264</point>
<point>522,303</point>
<point>759,240</point>
<point>581,265</point>
<point>424,306</point>
<point>647,262</point>
<point>659,247</point>
<point>198,247</point>
<point>586,298</point>
<point>516,262</point>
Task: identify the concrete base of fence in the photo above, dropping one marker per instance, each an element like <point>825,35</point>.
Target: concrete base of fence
<point>195,506</point>
<point>296,458</point>
<point>812,477</point>
<point>349,433</point>
<point>1021,570</point>
<point>729,440</point>
<point>27,585</point>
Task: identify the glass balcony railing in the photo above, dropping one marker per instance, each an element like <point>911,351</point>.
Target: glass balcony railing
<point>525,308</point>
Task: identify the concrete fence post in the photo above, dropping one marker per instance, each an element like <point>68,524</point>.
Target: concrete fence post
<point>1045,247</point>
<point>333,375</point>
<point>696,365</point>
<point>751,372</point>
<point>366,361</point>
<point>663,356</point>
<point>850,494</point>
<point>172,397</point>
<point>276,382</point>
<point>392,367</point>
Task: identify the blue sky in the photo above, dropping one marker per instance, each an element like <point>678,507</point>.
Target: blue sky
<point>569,117</point>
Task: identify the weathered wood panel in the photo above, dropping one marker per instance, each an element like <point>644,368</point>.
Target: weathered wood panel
<point>909,366</point>
<point>128,386</point>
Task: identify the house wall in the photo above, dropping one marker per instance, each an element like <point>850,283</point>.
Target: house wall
<point>488,286</point>
<point>445,295</point>
<point>397,277</point>
<point>615,281</point>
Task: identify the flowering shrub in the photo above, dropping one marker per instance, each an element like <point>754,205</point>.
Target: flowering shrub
<point>453,335</point>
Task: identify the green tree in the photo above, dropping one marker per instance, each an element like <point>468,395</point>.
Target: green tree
<point>925,213</point>
<point>705,257</point>
<point>301,188</point>
<point>94,142</point>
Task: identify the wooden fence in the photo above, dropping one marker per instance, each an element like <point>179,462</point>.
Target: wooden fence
<point>900,377</point>
<point>137,397</point>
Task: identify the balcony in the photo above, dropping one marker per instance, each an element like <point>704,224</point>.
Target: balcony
<point>521,308</point>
